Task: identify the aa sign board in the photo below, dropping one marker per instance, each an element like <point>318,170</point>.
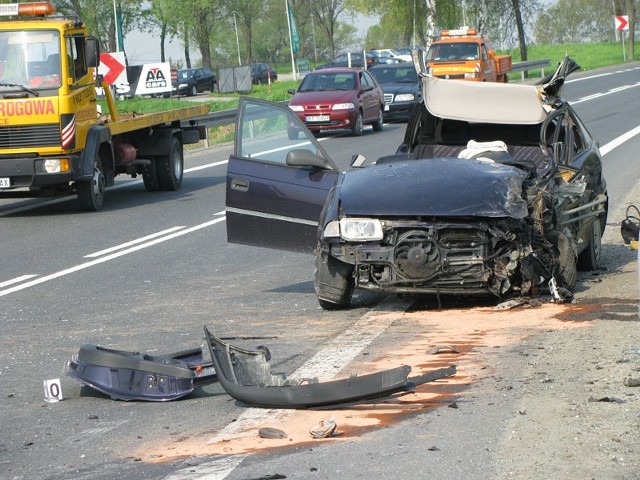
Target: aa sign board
<point>155,78</point>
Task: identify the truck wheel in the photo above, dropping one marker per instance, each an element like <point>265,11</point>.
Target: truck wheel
<point>333,282</point>
<point>150,176</point>
<point>171,167</point>
<point>91,192</point>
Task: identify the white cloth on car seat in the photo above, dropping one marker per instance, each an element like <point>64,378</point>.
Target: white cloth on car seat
<point>476,150</point>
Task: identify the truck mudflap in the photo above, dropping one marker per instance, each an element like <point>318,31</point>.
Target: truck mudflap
<point>246,376</point>
<point>136,376</point>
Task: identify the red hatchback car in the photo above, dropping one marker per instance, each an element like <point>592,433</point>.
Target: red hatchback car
<point>338,98</point>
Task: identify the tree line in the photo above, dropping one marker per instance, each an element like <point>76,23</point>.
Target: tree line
<point>225,32</point>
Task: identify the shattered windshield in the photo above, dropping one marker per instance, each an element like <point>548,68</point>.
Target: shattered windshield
<point>29,60</point>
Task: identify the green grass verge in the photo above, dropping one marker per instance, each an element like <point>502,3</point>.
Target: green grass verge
<point>588,55</point>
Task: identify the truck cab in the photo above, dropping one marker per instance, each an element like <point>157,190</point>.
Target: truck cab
<point>463,54</point>
<point>52,139</point>
<point>47,100</point>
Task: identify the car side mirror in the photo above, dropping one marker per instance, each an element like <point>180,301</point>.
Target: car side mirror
<point>305,158</point>
<point>291,91</point>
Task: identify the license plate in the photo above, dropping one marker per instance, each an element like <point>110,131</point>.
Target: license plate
<point>5,182</point>
<point>317,118</point>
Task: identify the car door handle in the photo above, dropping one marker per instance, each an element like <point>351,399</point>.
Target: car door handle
<point>240,184</point>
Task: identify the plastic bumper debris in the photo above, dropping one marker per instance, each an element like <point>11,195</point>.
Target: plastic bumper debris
<point>137,376</point>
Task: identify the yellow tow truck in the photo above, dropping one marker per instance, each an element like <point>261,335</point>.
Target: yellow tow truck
<point>53,138</point>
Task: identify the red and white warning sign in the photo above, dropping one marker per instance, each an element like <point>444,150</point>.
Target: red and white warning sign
<point>622,22</point>
<point>113,68</point>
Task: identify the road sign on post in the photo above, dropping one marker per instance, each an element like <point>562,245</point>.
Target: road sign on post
<point>622,24</point>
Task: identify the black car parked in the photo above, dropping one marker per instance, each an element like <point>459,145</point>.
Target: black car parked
<point>262,74</point>
<point>401,87</point>
<point>191,81</point>
<point>497,189</point>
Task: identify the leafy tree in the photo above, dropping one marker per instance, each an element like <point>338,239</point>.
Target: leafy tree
<point>158,16</point>
<point>326,13</point>
<point>248,13</point>
<point>99,17</point>
<point>574,21</point>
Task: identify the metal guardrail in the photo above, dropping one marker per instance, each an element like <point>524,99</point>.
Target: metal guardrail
<point>223,117</point>
<point>531,65</point>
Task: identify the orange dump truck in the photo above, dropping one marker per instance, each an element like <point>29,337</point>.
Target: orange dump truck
<point>463,54</point>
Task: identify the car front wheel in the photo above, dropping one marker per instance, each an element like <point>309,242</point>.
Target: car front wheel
<point>589,258</point>
<point>356,129</point>
<point>193,91</point>
<point>567,271</point>
<point>377,125</point>
<point>333,282</point>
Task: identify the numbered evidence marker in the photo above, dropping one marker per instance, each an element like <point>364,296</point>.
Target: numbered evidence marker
<point>52,390</point>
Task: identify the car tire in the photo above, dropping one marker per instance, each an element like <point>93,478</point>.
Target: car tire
<point>193,91</point>
<point>567,271</point>
<point>333,282</point>
<point>356,129</point>
<point>377,125</point>
<point>91,192</point>
<point>171,167</point>
<point>589,258</point>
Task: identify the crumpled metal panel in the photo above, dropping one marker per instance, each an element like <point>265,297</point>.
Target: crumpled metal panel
<point>246,376</point>
<point>436,187</point>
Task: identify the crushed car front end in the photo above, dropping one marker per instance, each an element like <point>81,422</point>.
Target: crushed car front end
<point>449,226</point>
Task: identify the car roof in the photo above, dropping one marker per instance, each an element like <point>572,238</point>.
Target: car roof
<point>336,70</point>
<point>381,66</point>
<point>493,102</point>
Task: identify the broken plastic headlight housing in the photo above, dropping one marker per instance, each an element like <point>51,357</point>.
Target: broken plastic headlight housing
<point>360,229</point>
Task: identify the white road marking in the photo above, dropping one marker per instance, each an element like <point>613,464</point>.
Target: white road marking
<point>113,256</point>
<point>119,186</point>
<point>336,354</point>
<point>209,470</point>
<point>609,92</point>
<point>616,142</point>
<point>599,75</point>
<point>16,280</point>
<point>133,242</point>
